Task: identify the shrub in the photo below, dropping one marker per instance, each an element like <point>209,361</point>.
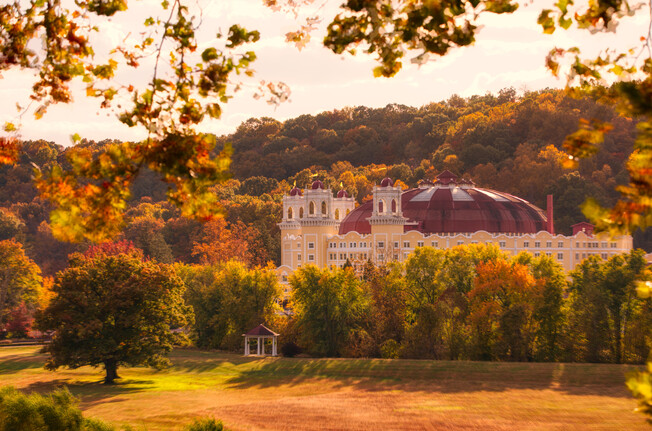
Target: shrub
<point>390,349</point>
<point>57,411</point>
<point>205,425</point>
<point>290,349</point>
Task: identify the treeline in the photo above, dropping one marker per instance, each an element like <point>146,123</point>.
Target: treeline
<point>470,302</point>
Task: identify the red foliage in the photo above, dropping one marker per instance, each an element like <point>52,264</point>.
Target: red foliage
<point>20,321</point>
<point>113,248</point>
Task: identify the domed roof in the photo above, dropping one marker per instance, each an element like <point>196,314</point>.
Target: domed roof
<point>450,207</point>
<point>296,191</point>
<point>317,185</point>
<point>343,194</point>
<point>386,182</point>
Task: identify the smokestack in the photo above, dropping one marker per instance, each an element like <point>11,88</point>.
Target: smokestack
<point>551,225</point>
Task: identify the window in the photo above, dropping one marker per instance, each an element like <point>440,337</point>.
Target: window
<point>537,254</point>
<point>323,207</point>
<point>526,244</point>
<point>311,245</point>
<point>560,244</point>
<point>298,245</point>
<point>299,256</point>
<point>350,255</point>
<point>284,278</point>
<point>290,213</point>
<point>548,244</point>
<point>405,255</point>
<point>604,256</point>
<point>502,244</point>
<point>363,245</point>
<point>311,208</point>
<point>395,256</point>
<point>460,242</point>
<point>337,214</point>
<point>548,254</point>
<point>395,244</point>
<point>342,256</point>
<point>560,256</point>
<point>381,256</point>
<point>613,245</point>
<point>365,256</point>
<point>537,244</point>
<point>419,243</point>
<point>435,244</point>
<point>406,244</point>
<point>342,244</point>
<point>577,256</point>
<point>381,244</point>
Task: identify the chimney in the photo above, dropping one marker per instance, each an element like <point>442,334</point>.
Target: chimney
<point>551,225</point>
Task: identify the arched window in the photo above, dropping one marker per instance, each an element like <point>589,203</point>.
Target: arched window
<point>381,207</point>
<point>301,212</point>
<point>393,206</point>
<point>311,211</point>
<point>348,211</point>
<point>290,213</point>
<point>337,214</point>
<point>323,207</point>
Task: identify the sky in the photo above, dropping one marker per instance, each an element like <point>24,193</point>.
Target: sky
<point>510,51</point>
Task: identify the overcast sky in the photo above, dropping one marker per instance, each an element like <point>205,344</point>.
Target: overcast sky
<point>509,52</point>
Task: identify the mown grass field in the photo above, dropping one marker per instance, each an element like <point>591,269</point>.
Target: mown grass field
<point>342,394</point>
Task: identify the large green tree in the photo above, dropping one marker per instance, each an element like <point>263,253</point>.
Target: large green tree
<point>111,307</point>
<point>330,305</point>
<point>228,300</point>
<point>602,301</point>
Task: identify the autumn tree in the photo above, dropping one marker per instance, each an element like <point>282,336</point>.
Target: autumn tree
<point>221,241</point>
<point>501,311</point>
<point>112,308</point>
<point>20,281</point>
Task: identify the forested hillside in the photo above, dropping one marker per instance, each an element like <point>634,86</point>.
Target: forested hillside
<point>506,141</point>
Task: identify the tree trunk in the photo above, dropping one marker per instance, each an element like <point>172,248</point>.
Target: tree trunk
<point>111,367</point>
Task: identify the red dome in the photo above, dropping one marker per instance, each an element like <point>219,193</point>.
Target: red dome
<point>343,194</point>
<point>449,209</point>
<point>296,191</point>
<point>317,185</point>
<point>386,182</point>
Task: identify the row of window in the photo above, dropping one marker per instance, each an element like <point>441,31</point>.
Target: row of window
<point>501,244</point>
<point>350,256</point>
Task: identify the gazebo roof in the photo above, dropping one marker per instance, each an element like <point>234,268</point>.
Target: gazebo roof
<point>261,331</point>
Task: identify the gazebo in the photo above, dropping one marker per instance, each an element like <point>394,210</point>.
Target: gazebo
<point>260,332</point>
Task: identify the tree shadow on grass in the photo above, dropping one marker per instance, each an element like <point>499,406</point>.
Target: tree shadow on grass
<point>436,376</point>
<point>92,393</point>
<point>16,363</point>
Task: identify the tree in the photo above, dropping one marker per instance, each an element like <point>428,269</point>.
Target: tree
<point>330,307</point>
<point>604,295</point>
<point>501,305</point>
<point>228,300</point>
<point>113,308</point>
<point>20,280</point>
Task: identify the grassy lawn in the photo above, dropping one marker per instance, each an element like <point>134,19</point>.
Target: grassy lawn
<point>342,394</point>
